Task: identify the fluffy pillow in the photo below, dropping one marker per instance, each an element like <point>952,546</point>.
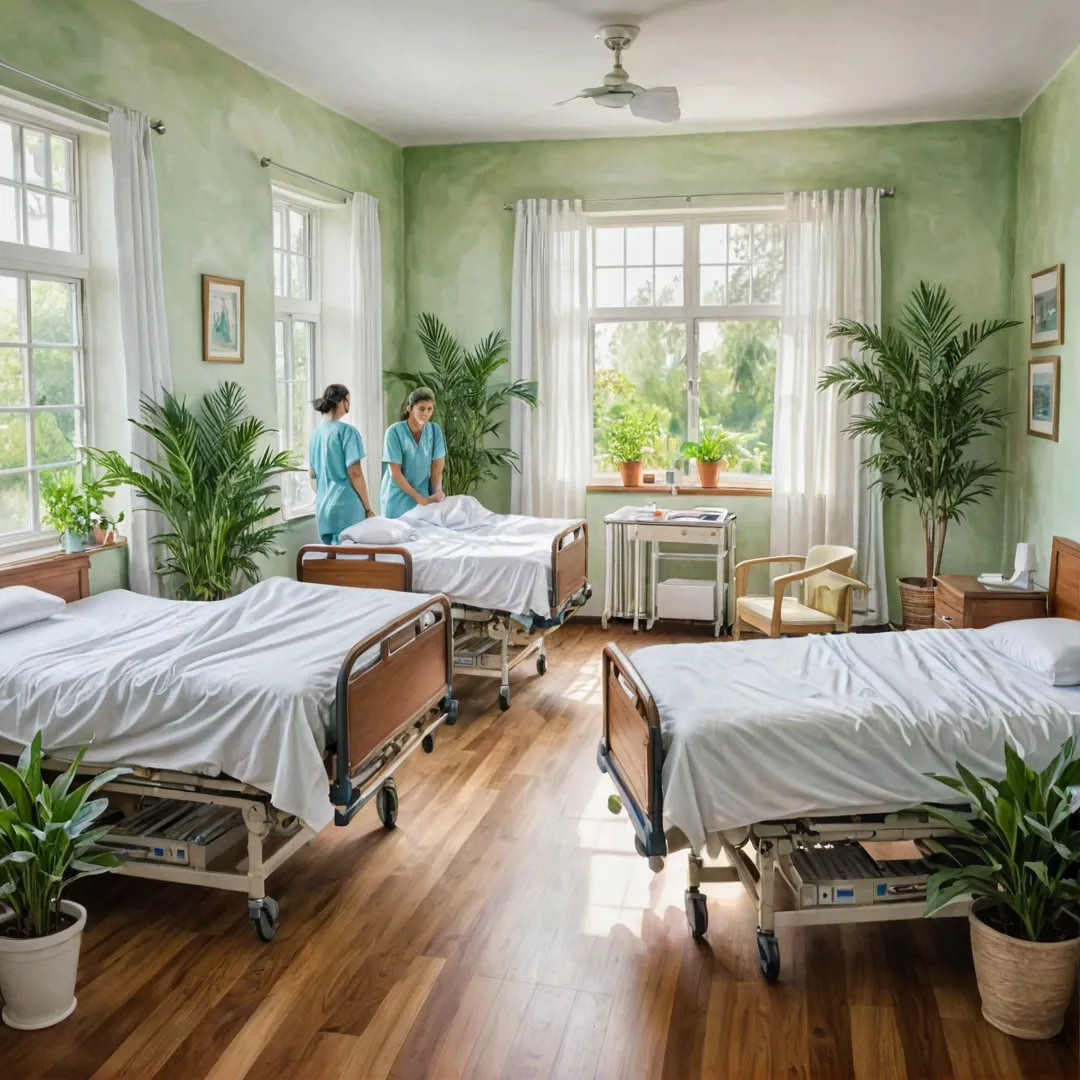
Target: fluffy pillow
<point>1050,648</point>
<point>379,530</point>
<point>20,606</point>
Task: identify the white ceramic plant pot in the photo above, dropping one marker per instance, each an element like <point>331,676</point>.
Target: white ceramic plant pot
<point>37,975</point>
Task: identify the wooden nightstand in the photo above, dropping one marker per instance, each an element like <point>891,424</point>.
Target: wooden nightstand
<point>961,603</point>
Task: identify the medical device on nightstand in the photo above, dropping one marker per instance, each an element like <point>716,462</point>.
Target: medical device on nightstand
<point>1023,571</point>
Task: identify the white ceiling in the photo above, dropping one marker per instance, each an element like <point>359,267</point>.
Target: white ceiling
<point>444,71</point>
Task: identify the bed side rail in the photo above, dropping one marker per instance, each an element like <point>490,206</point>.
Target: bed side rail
<point>631,750</point>
<point>410,678</point>
<point>360,570</point>
<point>569,563</point>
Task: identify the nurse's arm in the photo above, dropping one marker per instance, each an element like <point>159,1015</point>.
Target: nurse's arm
<point>437,467</point>
<point>399,478</point>
<point>359,483</point>
<point>311,478</point>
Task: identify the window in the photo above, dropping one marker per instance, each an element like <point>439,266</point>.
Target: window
<point>685,319</point>
<point>43,413</point>
<point>296,339</point>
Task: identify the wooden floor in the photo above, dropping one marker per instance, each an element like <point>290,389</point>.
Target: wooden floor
<point>507,929</point>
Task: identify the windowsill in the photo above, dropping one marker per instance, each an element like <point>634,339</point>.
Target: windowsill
<point>759,490</point>
<point>55,551</point>
<point>297,515</point>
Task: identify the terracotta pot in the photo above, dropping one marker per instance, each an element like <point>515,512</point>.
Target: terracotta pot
<point>630,471</point>
<point>1025,986</point>
<point>916,602</point>
<point>103,536</point>
<point>708,472</point>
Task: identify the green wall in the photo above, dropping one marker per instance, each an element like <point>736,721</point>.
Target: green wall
<point>213,196</point>
<point>1044,487</point>
<point>952,221</point>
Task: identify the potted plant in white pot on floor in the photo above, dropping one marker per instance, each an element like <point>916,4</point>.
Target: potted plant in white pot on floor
<point>47,840</point>
<point>1018,855</point>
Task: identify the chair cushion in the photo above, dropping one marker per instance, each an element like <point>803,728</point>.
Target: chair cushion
<point>791,611</point>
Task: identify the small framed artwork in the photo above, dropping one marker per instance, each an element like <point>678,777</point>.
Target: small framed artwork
<point>1044,394</point>
<point>1048,307</point>
<point>223,320</point>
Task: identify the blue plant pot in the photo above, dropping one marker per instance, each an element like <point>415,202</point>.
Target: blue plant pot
<point>71,542</point>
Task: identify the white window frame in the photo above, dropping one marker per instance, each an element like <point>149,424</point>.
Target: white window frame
<point>691,312</point>
<point>69,267</point>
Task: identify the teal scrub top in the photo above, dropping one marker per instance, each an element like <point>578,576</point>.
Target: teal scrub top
<point>334,447</point>
<point>415,459</point>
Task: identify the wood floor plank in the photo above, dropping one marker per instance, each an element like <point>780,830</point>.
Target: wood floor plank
<point>459,1038</point>
<point>539,1035</point>
<point>583,1037</point>
<point>499,1031</point>
<point>877,1052</point>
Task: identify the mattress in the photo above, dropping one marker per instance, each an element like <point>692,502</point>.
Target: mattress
<point>243,686</point>
<point>771,730</point>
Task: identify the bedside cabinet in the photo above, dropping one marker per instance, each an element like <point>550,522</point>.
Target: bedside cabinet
<point>961,603</point>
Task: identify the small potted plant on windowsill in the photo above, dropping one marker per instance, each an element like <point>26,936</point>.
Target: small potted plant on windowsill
<point>69,509</point>
<point>46,843</point>
<point>1017,855</point>
<point>627,440</point>
<point>714,451</point>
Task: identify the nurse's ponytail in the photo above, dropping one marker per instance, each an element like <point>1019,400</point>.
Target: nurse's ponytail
<point>331,398</point>
<point>421,393</point>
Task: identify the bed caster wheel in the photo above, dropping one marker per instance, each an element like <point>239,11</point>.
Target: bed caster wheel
<point>428,743</point>
<point>386,803</point>
<point>450,707</point>
<point>768,955</point>
<point>504,698</point>
<point>264,915</point>
<point>697,912</point>
<point>541,665</point>
<point>601,764</point>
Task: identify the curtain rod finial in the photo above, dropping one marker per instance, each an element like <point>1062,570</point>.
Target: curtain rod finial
<point>265,162</point>
<point>158,126</point>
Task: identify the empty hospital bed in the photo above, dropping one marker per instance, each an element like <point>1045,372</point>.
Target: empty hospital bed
<point>784,755</point>
<point>511,579</point>
<point>293,704</point>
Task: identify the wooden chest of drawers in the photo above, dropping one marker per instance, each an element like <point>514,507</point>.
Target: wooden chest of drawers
<point>961,603</point>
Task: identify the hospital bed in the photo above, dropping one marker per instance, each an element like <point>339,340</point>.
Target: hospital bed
<point>511,579</point>
<point>291,704</point>
<point>778,759</point>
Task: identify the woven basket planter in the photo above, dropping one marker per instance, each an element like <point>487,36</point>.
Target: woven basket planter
<point>916,603</point>
<point>1025,986</point>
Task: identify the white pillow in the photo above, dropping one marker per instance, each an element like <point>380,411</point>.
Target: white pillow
<point>1050,648</point>
<point>379,530</point>
<point>20,606</point>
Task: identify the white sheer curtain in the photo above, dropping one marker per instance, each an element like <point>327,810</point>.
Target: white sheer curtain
<point>549,342</point>
<point>366,379</point>
<point>822,494</point>
<point>142,312</point>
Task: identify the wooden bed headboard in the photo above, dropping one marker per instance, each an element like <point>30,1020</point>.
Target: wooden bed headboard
<point>1064,600</point>
<point>66,576</point>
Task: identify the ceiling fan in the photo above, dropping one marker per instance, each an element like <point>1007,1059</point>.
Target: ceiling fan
<point>659,103</point>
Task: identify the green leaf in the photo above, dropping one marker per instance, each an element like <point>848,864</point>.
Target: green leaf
<point>1039,870</point>
<point>1006,816</point>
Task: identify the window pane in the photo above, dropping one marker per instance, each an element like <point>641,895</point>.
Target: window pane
<point>10,214</point>
<point>12,391</point>
<point>302,350</point>
<point>669,245</point>
<point>639,251</point>
<point>713,244</point>
<point>52,308</point>
<point>642,365</point>
<point>54,376</point>
<point>12,309</point>
<point>639,287</point>
<point>768,251</point>
<point>279,228</point>
<point>608,247</point>
<point>609,289</point>
<point>298,272</point>
<point>12,440</point>
<point>297,232</point>
<point>279,274</point>
<point>14,503</point>
<point>279,349</point>
<point>283,415</point>
<point>37,220</point>
<point>60,155</point>
<point>738,287</point>
<point>301,419</point>
<point>8,137</point>
<point>737,373</point>
<point>34,157</point>
<point>669,290</point>
<point>55,436</point>
<point>62,210</point>
<point>714,284</point>
<point>738,243</point>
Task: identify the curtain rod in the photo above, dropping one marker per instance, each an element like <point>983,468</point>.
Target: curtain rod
<point>884,193</point>
<point>266,162</point>
<point>155,125</point>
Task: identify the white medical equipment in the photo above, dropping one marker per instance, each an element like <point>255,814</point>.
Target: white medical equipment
<point>1023,571</point>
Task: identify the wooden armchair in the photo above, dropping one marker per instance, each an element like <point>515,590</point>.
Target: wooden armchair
<point>827,593</point>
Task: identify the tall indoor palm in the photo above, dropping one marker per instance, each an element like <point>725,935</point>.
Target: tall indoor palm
<point>470,411</point>
<point>927,405</point>
<point>212,484</point>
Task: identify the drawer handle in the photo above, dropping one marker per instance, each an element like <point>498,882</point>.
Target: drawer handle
<point>945,618</point>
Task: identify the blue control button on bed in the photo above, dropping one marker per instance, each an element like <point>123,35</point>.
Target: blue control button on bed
<point>159,852</point>
<point>880,889</point>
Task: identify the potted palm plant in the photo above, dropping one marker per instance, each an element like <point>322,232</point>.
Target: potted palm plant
<point>468,407</point>
<point>924,403</point>
<point>627,439</point>
<point>47,840</point>
<point>714,451</point>
<point>1017,852</point>
<point>212,484</point>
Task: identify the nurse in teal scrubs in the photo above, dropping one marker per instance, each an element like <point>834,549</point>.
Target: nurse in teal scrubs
<point>414,453</point>
<point>335,457</point>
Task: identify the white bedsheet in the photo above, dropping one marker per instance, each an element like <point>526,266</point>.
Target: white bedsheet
<point>243,686</point>
<point>768,730</point>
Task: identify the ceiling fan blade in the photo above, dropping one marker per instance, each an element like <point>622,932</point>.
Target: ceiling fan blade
<point>588,92</point>
<point>660,103</point>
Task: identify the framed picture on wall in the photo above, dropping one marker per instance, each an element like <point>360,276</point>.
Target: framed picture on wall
<point>223,320</point>
<point>1044,394</point>
<point>1048,306</point>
